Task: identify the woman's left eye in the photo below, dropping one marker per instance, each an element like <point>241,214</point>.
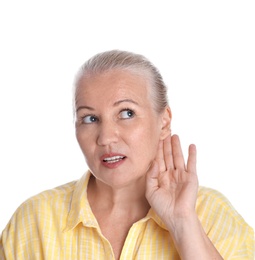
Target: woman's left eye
<point>127,113</point>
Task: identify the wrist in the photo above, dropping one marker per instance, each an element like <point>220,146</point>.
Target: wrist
<point>184,226</point>
<point>191,240</point>
<point>178,224</point>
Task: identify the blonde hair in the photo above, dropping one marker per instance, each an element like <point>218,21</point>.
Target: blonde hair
<point>124,60</point>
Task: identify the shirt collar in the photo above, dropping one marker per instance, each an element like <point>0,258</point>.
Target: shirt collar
<point>152,215</point>
<point>80,210</point>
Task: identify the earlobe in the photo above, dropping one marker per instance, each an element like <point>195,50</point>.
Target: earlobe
<point>166,123</point>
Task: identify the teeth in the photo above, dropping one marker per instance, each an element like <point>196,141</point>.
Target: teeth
<point>113,159</point>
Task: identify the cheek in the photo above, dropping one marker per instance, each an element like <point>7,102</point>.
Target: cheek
<point>84,141</point>
<point>145,140</point>
<point>79,137</point>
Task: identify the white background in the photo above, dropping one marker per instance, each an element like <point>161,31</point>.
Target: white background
<point>204,49</point>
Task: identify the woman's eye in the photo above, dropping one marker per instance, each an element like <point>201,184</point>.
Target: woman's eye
<point>127,113</point>
<point>89,119</point>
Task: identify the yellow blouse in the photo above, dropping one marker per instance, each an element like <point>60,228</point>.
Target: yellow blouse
<point>59,224</point>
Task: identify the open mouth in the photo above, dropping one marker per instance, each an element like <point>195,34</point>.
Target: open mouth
<point>114,159</point>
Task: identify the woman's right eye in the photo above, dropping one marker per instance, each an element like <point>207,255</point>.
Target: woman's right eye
<point>89,119</point>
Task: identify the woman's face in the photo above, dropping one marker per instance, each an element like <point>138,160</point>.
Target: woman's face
<point>116,126</point>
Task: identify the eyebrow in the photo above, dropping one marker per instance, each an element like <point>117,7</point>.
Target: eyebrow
<point>84,107</point>
<point>125,100</point>
<point>114,104</point>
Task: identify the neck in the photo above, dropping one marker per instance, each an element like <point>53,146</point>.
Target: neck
<point>129,200</point>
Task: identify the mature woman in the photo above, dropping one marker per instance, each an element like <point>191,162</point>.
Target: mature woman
<point>139,199</point>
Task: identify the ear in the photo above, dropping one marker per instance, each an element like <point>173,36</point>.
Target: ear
<point>166,117</point>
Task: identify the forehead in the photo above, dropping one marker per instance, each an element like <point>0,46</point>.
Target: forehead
<point>113,84</point>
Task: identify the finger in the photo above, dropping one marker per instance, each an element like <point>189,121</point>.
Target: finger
<point>192,159</point>
<point>160,157</point>
<point>178,158</point>
<point>152,182</point>
<point>168,155</point>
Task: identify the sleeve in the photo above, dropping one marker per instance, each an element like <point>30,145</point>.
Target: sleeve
<point>12,242</point>
<point>228,231</point>
<point>7,243</point>
<point>19,240</point>
<point>2,253</point>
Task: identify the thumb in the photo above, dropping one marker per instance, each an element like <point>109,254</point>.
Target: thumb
<point>152,182</point>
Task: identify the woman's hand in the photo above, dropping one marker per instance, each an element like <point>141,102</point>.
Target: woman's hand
<point>171,190</point>
<point>172,185</point>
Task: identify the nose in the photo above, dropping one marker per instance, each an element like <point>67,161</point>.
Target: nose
<point>107,133</point>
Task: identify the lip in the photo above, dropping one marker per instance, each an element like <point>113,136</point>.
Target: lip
<point>113,163</point>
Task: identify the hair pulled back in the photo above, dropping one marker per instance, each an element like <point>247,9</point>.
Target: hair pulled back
<point>135,63</point>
